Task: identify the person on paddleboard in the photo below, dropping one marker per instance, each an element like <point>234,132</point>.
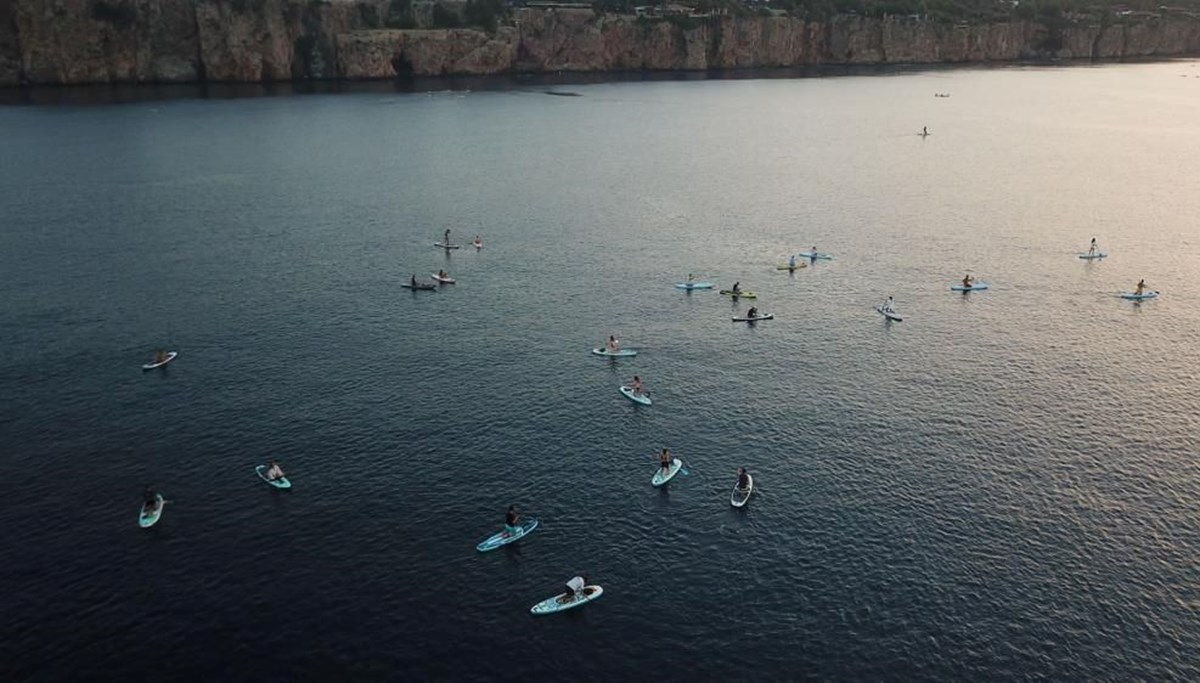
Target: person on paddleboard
<point>792,261</point>
<point>151,499</point>
<point>446,238</point>
<point>574,589</point>
<point>924,131</point>
<point>613,345</point>
<point>665,460</point>
<point>636,385</point>
<point>887,305</point>
<point>1140,287</point>
<point>691,277</point>
<point>274,471</point>
<point>443,274</point>
<point>813,253</point>
<point>160,356</point>
<point>478,242</point>
<point>752,313</point>
<point>413,281</point>
<point>1092,249</point>
<point>512,521</point>
<point>737,287</point>
<point>743,479</point>
<point>968,281</point>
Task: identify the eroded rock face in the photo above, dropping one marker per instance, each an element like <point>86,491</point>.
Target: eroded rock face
<point>89,41</point>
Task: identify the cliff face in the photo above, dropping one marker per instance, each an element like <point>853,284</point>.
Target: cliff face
<point>89,41</point>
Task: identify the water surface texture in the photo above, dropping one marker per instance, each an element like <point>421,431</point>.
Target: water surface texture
<point>1003,486</point>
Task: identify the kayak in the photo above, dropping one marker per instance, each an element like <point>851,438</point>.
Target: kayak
<point>1098,254</point>
<point>643,398</point>
<point>170,357</point>
<point>420,286</point>
<point>1138,297</point>
<point>740,496</point>
<point>444,280</point>
<point>890,315</point>
<point>446,246</point>
<point>972,288</point>
<point>147,520</point>
<point>552,605</point>
<point>799,264</point>
<point>815,255</point>
<point>739,295</point>
<point>620,353</point>
<point>694,285</point>
<point>659,478</point>
<point>769,316</point>
<point>280,483</point>
<point>496,540</point>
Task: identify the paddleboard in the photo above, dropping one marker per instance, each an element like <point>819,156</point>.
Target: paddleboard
<point>975,287</point>
<point>444,280</point>
<point>659,478</point>
<point>694,285</point>
<point>787,267</point>
<point>1098,254</point>
<point>1138,297</point>
<point>890,316</point>
<point>739,496</point>
<point>478,245</point>
<point>620,353</point>
<point>769,316</point>
<point>148,520</point>
<point>170,357</point>
<point>446,246</point>
<point>814,256</point>
<point>496,540</point>
<point>552,605</point>
<point>643,399</point>
<point>739,295</point>
<point>421,287</point>
<point>280,483</point>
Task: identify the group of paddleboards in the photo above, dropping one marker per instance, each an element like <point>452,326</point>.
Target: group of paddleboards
<point>441,277</point>
<point>153,501</point>
<point>578,591</point>
<point>736,293</point>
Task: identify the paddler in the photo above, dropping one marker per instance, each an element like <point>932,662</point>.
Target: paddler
<point>665,461</point>
<point>752,313</point>
<point>1141,285</point>
<point>274,471</point>
<point>792,262</point>
<point>1092,249</point>
<point>574,589</point>
<point>968,281</point>
<point>612,344</point>
<point>151,500</point>
<point>743,479</point>
<point>691,277</point>
<point>446,238</point>
<point>443,274</point>
<point>887,305</point>
<point>737,287</point>
<point>636,385</point>
<point>512,521</point>
<point>478,242</point>
<point>413,281</point>
<point>160,356</point>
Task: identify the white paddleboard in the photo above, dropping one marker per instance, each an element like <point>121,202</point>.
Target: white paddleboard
<point>890,315</point>
<point>659,478</point>
<point>739,496</point>
<point>444,280</point>
<point>552,605</point>
<point>170,357</point>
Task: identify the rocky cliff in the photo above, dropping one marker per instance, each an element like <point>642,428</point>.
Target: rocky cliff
<point>106,41</point>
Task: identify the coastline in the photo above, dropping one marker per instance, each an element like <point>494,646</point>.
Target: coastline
<point>188,41</point>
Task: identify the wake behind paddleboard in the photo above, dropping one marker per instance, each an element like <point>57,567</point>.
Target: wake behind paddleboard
<point>552,605</point>
<point>170,357</point>
<point>503,538</point>
<point>659,478</point>
<point>739,496</point>
<point>636,398</point>
<point>280,483</point>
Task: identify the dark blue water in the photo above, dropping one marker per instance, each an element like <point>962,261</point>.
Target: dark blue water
<point>1002,486</point>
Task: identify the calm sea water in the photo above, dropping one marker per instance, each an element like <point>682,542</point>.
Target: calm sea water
<point>1003,486</point>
